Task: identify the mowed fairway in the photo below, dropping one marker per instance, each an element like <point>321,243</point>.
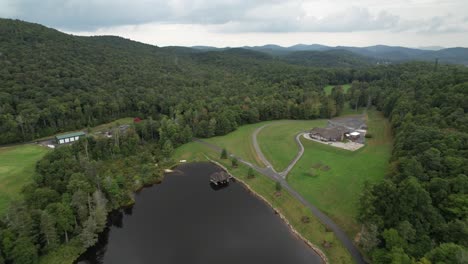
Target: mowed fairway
<point>336,189</point>
<point>276,140</point>
<point>17,165</point>
<point>328,88</point>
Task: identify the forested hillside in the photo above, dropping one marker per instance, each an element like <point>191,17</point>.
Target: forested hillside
<point>420,211</point>
<point>53,82</point>
<point>329,58</point>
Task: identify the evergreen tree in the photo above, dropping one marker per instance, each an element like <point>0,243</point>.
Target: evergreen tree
<point>278,186</point>
<point>224,154</point>
<point>234,162</point>
<point>48,230</point>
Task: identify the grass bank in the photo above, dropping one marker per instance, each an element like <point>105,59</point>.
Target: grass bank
<point>292,209</point>
<point>332,178</point>
<point>277,140</point>
<point>239,142</point>
<point>17,165</point>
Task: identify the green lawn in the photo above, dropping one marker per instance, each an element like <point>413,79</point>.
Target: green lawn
<point>328,88</point>
<point>17,165</point>
<point>239,142</point>
<point>292,209</point>
<point>336,190</point>
<point>277,140</point>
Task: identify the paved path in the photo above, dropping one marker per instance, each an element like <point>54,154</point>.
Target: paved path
<point>298,155</point>
<point>281,177</point>
<point>258,150</point>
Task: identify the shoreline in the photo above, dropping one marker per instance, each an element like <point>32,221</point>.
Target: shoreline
<point>317,250</point>
<point>285,220</point>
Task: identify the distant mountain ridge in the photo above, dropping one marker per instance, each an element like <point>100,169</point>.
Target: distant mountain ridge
<point>378,53</point>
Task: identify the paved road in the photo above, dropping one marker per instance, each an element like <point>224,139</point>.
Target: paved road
<point>297,158</point>
<point>258,150</point>
<point>280,177</point>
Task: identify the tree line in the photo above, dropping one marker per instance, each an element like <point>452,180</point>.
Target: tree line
<point>418,214</point>
<point>52,82</point>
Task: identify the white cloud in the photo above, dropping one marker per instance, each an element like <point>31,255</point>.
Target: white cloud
<point>248,18</point>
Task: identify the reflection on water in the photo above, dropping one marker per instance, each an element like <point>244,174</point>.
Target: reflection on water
<point>187,220</point>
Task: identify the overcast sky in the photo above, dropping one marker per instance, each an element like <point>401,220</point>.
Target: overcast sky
<point>412,23</point>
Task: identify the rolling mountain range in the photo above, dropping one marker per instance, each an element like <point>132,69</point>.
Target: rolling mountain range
<point>306,54</point>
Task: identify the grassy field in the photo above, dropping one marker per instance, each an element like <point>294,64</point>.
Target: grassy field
<point>277,140</point>
<point>17,164</point>
<point>328,88</point>
<point>292,209</point>
<point>336,189</point>
<point>239,142</point>
<point>16,169</point>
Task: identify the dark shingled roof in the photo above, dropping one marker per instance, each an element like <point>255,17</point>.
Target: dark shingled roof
<point>329,133</point>
<point>219,176</point>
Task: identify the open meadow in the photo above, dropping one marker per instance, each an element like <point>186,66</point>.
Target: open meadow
<point>332,178</point>
<point>239,142</point>
<point>17,165</point>
<point>277,140</point>
<point>292,209</point>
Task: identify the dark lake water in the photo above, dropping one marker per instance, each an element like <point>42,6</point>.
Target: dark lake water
<point>185,221</point>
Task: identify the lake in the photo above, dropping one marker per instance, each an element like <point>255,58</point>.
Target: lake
<point>184,220</point>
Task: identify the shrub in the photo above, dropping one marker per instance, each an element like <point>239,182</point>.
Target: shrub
<point>234,162</point>
<point>224,154</point>
<point>250,174</point>
<point>278,187</point>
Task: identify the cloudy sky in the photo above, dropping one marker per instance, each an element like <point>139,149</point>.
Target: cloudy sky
<point>221,23</point>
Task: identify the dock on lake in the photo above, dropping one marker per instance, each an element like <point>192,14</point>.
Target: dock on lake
<point>220,178</point>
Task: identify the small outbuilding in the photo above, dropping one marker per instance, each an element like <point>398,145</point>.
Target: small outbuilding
<point>69,138</point>
<point>353,135</point>
<point>220,178</point>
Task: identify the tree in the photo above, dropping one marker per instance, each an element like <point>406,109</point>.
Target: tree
<point>24,252</point>
<point>393,239</point>
<point>250,173</point>
<point>167,149</point>
<point>48,230</point>
<point>63,215</point>
<point>234,162</point>
<point>224,154</point>
<point>278,186</point>
<point>88,235</point>
<point>447,253</point>
<point>369,239</point>
<point>100,211</point>
<point>399,256</point>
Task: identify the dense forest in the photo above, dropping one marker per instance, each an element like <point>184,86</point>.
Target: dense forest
<point>73,189</point>
<point>52,82</point>
<point>420,211</point>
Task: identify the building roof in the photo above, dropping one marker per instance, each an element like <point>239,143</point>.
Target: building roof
<point>330,133</point>
<point>69,135</point>
<point>219,176</point>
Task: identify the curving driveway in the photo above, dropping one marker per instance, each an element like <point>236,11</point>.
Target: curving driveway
<point>270,172</point>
